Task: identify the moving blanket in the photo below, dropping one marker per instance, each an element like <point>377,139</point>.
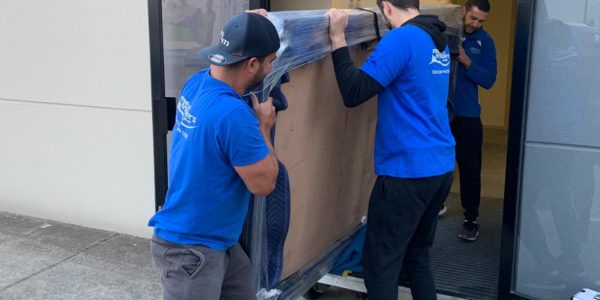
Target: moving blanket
<point>273,232</point>
<point>305,39</point>
<point>276,215</point>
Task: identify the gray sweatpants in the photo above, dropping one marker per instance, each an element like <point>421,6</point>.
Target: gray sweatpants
<point>197,272</point>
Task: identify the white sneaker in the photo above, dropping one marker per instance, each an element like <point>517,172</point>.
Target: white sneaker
<point>443,210</point>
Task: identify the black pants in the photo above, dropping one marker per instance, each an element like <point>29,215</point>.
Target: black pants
<point>468,133</point>
<point>401,225</point>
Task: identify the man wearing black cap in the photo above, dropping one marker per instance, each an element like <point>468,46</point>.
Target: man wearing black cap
<point>221,153</point>
<point>414,148</point>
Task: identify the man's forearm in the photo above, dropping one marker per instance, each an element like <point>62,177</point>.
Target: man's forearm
<point>273,157</point>
<point>267,136</point>
<point>355,85</point>
<point>481,76</point>
<point>338,42</point>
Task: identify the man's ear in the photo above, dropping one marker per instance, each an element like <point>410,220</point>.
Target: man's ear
<point>463,12</point>
<point>387,8</point>
<point>252,65</point>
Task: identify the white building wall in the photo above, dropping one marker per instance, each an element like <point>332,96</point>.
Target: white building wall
<point>75,112</point>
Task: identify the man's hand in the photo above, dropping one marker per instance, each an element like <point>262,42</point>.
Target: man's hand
<point>265,112</point>
<point>261,11</point>
<point>463,58</point>
<point>261,177</point>
<point>338,20</point>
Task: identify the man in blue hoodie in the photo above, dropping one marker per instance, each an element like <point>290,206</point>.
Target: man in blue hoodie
<point>409,71</point>
<point>477,67</point>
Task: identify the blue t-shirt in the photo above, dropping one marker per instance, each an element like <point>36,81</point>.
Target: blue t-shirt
<point>413,138</point>
<point>207,200</point>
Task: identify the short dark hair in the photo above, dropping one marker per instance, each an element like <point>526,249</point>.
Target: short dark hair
<point>402,4</point>
<point>483,5</point>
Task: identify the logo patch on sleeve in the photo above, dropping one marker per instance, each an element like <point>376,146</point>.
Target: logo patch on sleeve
<point>441,58</point>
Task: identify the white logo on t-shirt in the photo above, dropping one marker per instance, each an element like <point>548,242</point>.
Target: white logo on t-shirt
<point>187,120</point>
<point>441,58</point>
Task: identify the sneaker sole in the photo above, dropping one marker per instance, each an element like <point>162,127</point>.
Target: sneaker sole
<point>443,211</point>
<point>466,238</point>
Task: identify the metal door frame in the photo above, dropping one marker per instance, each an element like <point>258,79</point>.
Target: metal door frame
<point>516,134</point>
<point>162,108</point>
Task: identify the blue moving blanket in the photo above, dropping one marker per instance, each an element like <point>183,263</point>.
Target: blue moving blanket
<point>277,211</point>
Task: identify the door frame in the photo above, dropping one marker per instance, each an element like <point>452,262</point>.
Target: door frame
<point>163,108</point>
<point>516,133</point>
<point>159,102</point>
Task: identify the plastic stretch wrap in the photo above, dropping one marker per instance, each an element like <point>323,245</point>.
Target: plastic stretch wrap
<point>305,39</point>
<point>304,35</point>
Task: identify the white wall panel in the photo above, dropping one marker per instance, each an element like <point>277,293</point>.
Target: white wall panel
<point>80,165</point>
<point>93,52</point>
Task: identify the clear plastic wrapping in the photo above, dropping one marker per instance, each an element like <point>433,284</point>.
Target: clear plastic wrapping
<point>305,39</point>
<point>304,35</point>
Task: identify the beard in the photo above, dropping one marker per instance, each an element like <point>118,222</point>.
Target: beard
<point>258,78</point>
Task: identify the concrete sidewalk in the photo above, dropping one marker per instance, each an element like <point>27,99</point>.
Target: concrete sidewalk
<point>41,259</point>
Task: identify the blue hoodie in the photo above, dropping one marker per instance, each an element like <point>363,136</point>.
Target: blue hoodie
<point>480,48</point>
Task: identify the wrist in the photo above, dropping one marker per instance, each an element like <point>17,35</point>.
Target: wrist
<point>338,41</point>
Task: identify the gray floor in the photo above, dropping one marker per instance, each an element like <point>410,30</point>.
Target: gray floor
<point>474,268</point>
<point>468,269</point>
<point>41,259</point>
<point>49,260</point>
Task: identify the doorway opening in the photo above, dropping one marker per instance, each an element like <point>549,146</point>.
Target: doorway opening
<point>472,269</point>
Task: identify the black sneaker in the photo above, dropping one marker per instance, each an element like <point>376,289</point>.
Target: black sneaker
<point>469,231</point>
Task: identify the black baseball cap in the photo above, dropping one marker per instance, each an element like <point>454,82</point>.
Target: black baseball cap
<point>243,36</point>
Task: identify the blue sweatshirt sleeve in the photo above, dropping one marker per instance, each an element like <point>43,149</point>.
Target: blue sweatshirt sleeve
<point>484,71</point>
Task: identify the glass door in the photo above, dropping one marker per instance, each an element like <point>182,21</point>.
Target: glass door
<point>178,30</point>
<point>558,204</point>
